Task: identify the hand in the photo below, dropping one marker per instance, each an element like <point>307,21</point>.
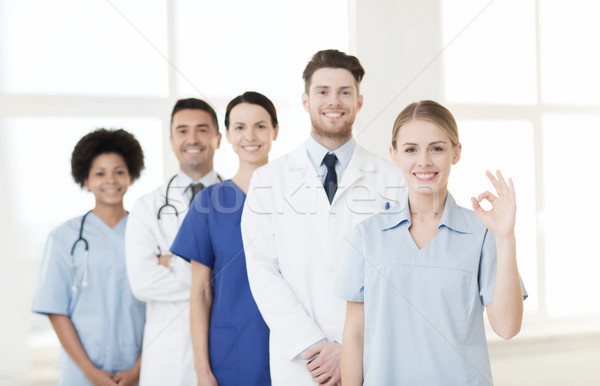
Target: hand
<point>98,377</point>
<point>164,260</point>
<point>325,369</point>
<point>500,220</point>
<point>128,377</point>
<point>207,379</point>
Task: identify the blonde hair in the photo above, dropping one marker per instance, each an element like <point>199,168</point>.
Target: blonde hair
<point>429,111</point>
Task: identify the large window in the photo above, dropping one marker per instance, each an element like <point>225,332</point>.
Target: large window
<point>526,97</point>
<point>69,67</point>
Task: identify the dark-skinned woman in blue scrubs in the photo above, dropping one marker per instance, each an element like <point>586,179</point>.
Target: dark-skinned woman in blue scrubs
<point>229,336</point>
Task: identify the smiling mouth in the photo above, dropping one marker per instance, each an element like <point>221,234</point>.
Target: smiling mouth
<point>333,115</point>
<point>425,176</point>
<point>251,148</point>
<point>193,151</point>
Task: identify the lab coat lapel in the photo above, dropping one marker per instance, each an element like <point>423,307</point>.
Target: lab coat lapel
<point>359,165</point>
<point>302,187</point>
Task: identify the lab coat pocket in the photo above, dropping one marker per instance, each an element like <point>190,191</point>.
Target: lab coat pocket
<point>224,355</point>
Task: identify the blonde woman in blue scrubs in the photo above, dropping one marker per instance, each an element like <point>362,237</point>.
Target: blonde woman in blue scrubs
<point>419,276</point>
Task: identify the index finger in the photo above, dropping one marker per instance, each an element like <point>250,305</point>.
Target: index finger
<point>495,182</point>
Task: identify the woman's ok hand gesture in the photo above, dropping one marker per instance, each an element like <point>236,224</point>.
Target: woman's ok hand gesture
<point>500,220</point>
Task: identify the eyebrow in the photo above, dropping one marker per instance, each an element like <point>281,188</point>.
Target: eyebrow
<point>244,123</point>
<point>186,125</point>
<point>339,88</point>
<point>415,144</point>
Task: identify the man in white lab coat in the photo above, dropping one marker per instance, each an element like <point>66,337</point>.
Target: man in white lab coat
<point>156,276</point>
<point>298,219</point>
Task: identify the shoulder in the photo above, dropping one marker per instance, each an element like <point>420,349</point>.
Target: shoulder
<point>471,219</point>
<point>224,197</point>
<point>379,166</point>
<point>68,231</point>
<point>150,200</point>
<point>467,217</point>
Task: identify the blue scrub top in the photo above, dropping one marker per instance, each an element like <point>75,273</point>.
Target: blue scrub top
<point>423,307</point>
<point>239,337</point>
<point>108,319</point>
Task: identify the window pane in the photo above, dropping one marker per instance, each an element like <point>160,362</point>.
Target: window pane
<point>83,47</point>
<point>493,60</point>
<point>225,48</point>
<point>569,67</point>
<point>505,145</point>
<point>42,188</point>
<point>571,214</point>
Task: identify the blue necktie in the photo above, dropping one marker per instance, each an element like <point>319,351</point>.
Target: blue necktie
<point>330,184</point>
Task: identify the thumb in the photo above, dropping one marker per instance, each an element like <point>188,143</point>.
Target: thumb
<point>476,207</point>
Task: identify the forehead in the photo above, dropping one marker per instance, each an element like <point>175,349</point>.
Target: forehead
<point>245,111</point>
<point>420,130</point>
<point>332,78</point>
<point>192,117</point>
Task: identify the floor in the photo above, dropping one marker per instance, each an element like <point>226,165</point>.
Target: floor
<point>547,362</point>
<point>557,361</point>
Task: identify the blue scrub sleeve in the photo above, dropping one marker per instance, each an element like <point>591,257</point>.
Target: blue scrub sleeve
<point>193,241</point>
<point>351,280</point>
<point>487,270</point>
<point>53,289</point>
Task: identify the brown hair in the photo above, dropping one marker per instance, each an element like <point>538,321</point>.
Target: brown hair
<point>428,111</point>
<point>333,59</point>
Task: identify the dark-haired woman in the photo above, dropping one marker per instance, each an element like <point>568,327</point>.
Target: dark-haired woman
<point>82,285</point>
<point>229,336</point>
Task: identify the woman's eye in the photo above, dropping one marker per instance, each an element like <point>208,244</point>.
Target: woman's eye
<point>238,127</point>
<point>437,148</point>
<point>410,150</point>
<point>262,126</point>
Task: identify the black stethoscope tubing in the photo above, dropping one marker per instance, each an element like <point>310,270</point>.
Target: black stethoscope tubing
<point>167,204</point>
<point>86,245</point>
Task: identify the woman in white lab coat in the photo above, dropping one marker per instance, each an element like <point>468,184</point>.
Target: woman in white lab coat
<point>82,285</point>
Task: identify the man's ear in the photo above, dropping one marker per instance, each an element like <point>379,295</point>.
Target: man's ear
<point>305,103</point>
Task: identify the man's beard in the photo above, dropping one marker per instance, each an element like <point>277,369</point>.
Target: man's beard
<point>344,131</point>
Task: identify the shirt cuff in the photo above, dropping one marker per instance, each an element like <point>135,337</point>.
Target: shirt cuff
<point>299,356</point>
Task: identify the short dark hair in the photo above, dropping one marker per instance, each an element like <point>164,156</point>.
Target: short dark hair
<point>195,104</point>
<point>333,59</point>
<point>103,141</point>
<point>254,98</point>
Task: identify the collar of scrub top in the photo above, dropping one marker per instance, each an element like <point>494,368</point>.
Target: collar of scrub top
<point>86,247</point>
<point>452,218</point>
<point>316,153</point>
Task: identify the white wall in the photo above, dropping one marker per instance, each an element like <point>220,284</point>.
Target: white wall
<point>398,44</point>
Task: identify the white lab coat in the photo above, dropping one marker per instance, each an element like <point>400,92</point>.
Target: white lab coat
<point>167,356</point>
<point>295,243</point>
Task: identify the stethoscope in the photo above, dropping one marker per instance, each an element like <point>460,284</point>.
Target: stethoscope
<point>82,239</point>
<point>168,204</point>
